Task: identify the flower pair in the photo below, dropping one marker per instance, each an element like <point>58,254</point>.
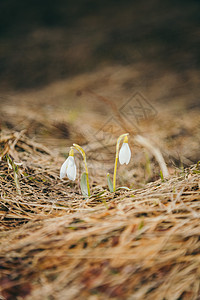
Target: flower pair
<point>69,167</point>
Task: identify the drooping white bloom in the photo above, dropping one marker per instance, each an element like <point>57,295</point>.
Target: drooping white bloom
<point>68,168</point>
<point>63,169</point>
<point>125,153</point>
<point>71,169</point>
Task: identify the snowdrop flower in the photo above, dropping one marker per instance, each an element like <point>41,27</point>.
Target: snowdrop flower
<point>69,167</point>
<point>124,156</point>
<point>125,152</point>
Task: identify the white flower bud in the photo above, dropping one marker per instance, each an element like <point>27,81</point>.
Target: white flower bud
<point>124,154</point>
<point>68,168</point>
<point>71,169</point>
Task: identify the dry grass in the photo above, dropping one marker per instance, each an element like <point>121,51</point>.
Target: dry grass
<point>137,244</point>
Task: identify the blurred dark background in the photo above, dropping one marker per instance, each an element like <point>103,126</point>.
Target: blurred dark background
<point>44,41</point>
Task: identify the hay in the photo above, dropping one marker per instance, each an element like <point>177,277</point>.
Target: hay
<point>137,244</point>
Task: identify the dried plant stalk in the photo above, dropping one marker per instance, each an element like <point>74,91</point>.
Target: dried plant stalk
<point>155,151</point>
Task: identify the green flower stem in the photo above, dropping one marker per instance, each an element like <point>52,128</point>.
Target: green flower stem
<point>82,152</point>
<point>115,173</point>
<point>116,159</point>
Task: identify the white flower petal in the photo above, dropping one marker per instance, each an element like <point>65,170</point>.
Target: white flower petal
<point>71,169</point>
<point>128,154</point>
<point>63,169</point>
<point>124,154</point>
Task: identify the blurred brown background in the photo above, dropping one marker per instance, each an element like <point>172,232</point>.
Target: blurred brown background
<point>57,57</point>
<point>44,41</point>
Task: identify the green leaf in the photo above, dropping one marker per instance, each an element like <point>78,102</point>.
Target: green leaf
<point>84,188</point>
<point>9,162</point>
<point>141,225</point>
<point>110,184</point>
<point>123,188</point>
<point>98,194</point>
<point>148,164</point>
<point>196,172</point>
<point>161,176</point>
<point>14,167</point>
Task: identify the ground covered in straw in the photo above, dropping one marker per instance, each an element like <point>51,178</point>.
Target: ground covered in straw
<point>137,243</point>
<point>134,244</point>
<point>84,72</point>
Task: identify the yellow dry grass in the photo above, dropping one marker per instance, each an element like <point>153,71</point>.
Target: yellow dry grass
<point>137,244</point>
